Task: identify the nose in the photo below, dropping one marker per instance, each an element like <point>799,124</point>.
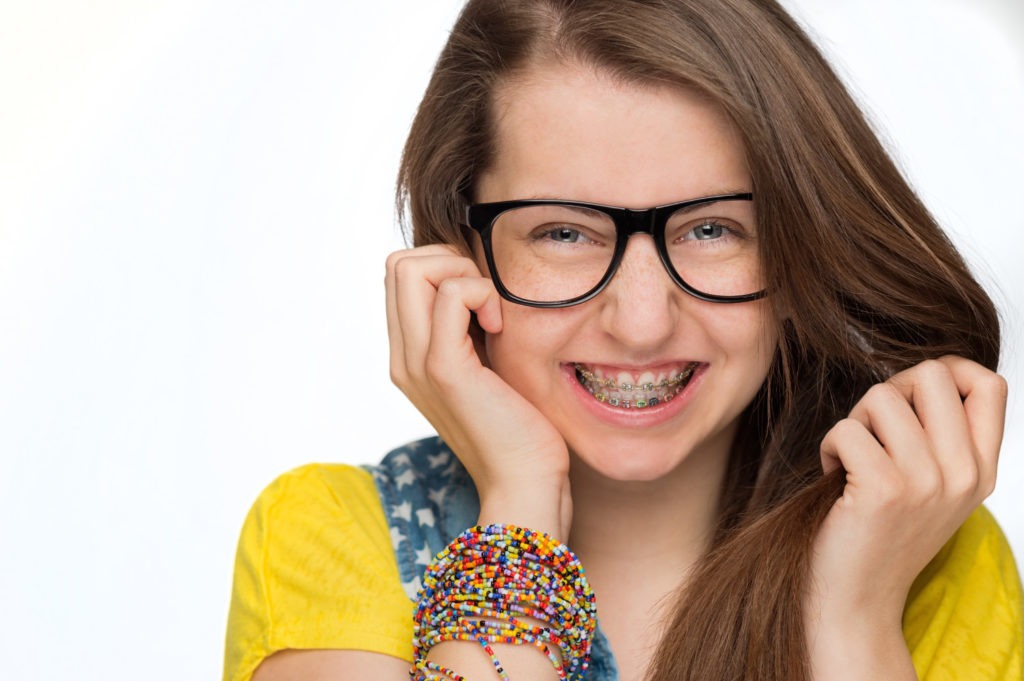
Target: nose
<point>641,305</point>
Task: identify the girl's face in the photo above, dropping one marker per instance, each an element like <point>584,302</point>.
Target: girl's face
<point>571,132</point>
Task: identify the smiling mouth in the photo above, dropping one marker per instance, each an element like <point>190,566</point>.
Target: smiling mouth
<point>626,391</point>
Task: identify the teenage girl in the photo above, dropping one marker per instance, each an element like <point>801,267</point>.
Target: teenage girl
<point>670,303</point>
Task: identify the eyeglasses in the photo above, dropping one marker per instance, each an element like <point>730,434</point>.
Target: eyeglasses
<point>552,253</point>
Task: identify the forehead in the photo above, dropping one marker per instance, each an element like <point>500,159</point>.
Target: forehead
<point>570,131</point>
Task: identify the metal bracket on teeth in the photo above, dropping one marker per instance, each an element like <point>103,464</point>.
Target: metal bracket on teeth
<point>671,382</point>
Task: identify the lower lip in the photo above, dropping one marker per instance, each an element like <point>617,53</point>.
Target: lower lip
<point>635,418</point>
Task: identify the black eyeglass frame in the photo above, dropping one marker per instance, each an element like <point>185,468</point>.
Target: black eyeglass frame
<point>481,217</point>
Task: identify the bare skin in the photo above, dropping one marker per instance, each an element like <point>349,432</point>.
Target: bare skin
<point>920,450</point>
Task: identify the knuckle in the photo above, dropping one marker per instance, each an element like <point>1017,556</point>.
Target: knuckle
<point>395,257</point>
<point>933,368</point>
<point>927,481</point>
<point>841,431</point>
<point>965,483</point>
<point>449,288</point>
<point>401,267</point>
<point>883,392</point>
<point>998,385</point>
<point>845,428</point>
<point>435,372</point>
<point>986,485</point>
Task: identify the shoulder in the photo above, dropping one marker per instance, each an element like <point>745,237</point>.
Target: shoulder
<point>964,613</point>
<point>309,496</point>
<point>315,568</point>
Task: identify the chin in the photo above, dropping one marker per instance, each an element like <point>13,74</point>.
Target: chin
<point>649,457</point>
<point>629,462</point>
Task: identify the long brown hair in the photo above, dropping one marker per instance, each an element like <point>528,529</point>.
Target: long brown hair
<point>865,281</point>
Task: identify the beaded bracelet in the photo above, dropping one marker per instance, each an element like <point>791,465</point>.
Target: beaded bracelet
<point>479,587</point>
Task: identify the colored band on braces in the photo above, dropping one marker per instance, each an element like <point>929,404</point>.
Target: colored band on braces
<point>671,382</point>
<point>594,385</point>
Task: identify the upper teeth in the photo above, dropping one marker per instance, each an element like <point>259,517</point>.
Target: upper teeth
<point>627,382</point>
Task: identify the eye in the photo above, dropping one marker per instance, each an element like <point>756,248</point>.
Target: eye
<point>564,235</point>
<point>706,231</point>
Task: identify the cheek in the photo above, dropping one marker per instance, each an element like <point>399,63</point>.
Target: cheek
<point>532,342</point>
<point>749,332</point>
<point>509,352</point>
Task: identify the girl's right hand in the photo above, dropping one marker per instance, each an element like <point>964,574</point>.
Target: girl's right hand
<point>517,459</point>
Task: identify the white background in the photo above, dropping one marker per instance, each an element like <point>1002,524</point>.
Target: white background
<point>195,206</point>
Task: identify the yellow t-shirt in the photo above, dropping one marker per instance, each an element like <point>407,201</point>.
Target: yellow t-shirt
<point>316,569</point>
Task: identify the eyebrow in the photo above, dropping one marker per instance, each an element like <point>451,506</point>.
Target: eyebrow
<point>687,209</point>
<point>698,206</point>
<point>583,210</point>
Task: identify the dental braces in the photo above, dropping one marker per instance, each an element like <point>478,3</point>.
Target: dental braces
<point>628,404</point>
<point>671,382</point>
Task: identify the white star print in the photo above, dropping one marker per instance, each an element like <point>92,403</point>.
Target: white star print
<point>401,460</point>
<point>437,495</point>
<point>403,511</point>
<point>396,537</point>
<point>425,516</point>
<point>439,460</point>
<point>405,478</point>
<point>424,556</point>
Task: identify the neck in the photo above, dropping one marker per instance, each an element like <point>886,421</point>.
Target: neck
<point>637,542</point>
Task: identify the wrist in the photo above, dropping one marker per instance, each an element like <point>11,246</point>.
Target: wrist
<point>856,644</point>
<point>530,506</point>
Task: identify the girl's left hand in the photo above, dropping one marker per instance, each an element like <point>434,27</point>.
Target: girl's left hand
<point>920,453</point>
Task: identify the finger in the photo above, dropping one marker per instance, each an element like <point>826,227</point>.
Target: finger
<point>984,394</point>
<point>887,415</point>
<point>961,406</point>
<point>415,281</point>
<point>482,300</point>
<point>850,445</point>
<point>396,341</point>
<point>450,343</point>
<point>932,392</point>
<point>981,392</point>
<point>395,345</point>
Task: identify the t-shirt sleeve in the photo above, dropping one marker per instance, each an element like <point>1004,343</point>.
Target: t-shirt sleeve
<point>315,569</point>
<point>963,617</point>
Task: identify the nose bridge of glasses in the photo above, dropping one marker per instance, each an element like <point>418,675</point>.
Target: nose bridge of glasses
<point>631,223</point>
<point>637,221</point>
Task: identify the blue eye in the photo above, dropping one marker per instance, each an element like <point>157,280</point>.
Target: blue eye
<point>564,235</point>
<point>706,231</point>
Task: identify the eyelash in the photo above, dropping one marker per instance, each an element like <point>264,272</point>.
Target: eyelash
<point>727,231</point>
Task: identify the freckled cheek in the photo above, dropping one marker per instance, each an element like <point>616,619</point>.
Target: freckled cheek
<point>510,351</point>
<point>530,342</point>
